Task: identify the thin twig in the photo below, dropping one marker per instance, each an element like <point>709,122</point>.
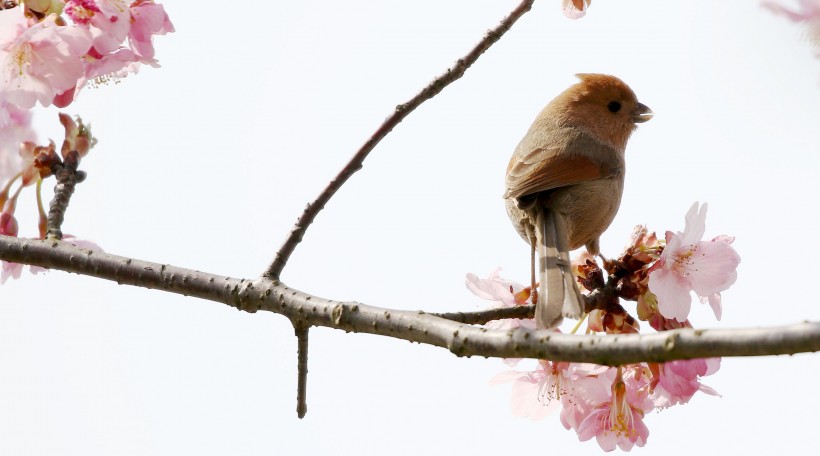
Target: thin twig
<point>484,316</point>
<point>598,299</point>
<point>461,339</point>
<point>452,74</point>
<point>302,355</point>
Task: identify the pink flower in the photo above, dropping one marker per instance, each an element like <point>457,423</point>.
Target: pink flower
<point>15,128</point>
<point>675,382</point>
<point>147,19</point>
<point>39,61</point>
<point>688,264</point>
<point>108,21</point>
<point>576,9</point>
<point>8,223</point>
<point>618,421</point>
<point>590,386</point>
<point>504,293</point>
<point>116,65</point>
<point>808,13</point>
<point>9,227</point>
<point>537,393</point>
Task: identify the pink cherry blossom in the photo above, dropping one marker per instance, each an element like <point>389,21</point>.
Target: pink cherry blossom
<point>108,21</point>
<point>8,223</point>
<point>590,385</point>
<point>807,13</point>
<point>15,270</point>
<point>147,19</point>
<point>576,9</point>
<point>675,382</point>
<point>111,23</point>
<point>9,227</point>
<point>115,65</point>
<point>688,264</point>
<point>38,61</point>
<point>81,11</point>
<point>618,421</point>
<point>15,128</point>
<point>504,293</point>
<point>536,393</point>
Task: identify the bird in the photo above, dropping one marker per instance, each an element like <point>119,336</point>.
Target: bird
<point>564,184</point>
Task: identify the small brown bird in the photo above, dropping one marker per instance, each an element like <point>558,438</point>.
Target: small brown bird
<point>565,180</point>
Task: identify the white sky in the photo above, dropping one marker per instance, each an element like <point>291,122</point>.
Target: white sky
<point>206,163</point>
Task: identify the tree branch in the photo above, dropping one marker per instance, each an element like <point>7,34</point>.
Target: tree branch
<point>452,74</point>
<point>461,339</point>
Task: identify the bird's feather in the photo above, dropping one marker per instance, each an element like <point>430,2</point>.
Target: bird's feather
<point>581,158</point>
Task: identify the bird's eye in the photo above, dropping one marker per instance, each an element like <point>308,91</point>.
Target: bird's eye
<point>614,106</point>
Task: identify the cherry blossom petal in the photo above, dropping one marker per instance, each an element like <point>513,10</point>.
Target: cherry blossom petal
<point>15,128</point>
<point>714,267</point>
<point>673,292</point>
<point>695,224</point>
<point>148,19</point>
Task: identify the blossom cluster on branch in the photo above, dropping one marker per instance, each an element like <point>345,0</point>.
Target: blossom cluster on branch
<point>609,403</point>
<point>49,51</point>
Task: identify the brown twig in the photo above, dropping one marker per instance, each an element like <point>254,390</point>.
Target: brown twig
<point>302,355</point>
<point>452,74</point>
<point>484,316</point>
<point>598,299</point>
<point>460,339</point>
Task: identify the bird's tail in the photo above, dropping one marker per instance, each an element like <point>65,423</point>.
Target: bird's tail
<point>558,296</point>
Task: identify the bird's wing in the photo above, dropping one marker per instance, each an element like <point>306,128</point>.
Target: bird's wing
<point>579,159</point>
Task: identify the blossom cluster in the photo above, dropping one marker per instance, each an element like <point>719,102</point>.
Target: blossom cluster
<point>49,51</point>
<point>45,58</point>
<point>36,164</point>
<point>610,403</point>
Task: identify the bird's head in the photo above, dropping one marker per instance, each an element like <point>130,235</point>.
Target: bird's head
<point>603,106</point>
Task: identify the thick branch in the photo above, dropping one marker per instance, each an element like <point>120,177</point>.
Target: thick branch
<point>355,163</point>
<point>459,338</point>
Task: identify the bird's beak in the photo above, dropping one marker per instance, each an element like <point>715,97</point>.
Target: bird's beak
<point>642,113</point>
